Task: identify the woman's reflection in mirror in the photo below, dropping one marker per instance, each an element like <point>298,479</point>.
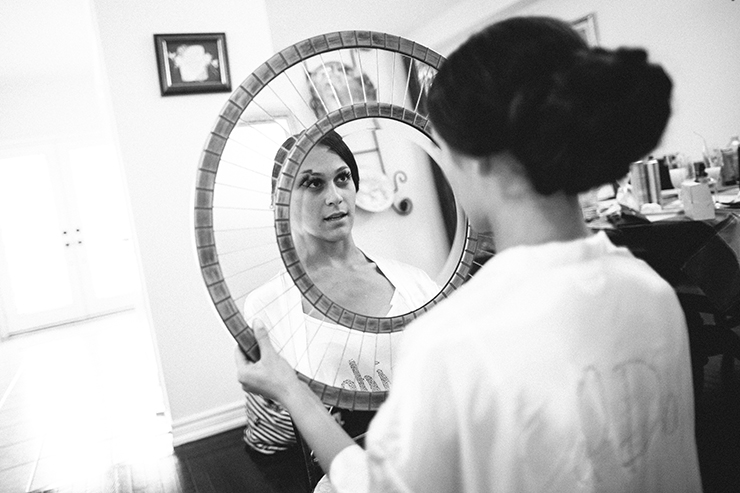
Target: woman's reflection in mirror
<point>563,364</point>
<point>322,214</point>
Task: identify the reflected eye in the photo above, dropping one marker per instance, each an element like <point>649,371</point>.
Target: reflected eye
<point>312,182</point>
<point>343,178</point>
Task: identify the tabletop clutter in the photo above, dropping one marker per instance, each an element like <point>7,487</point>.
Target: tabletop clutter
<point>673,184</point>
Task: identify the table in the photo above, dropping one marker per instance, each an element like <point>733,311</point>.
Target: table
<point>701,260</point>
<point>698,254</point>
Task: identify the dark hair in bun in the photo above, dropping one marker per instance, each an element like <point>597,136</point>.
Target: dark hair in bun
<point>575,117</point>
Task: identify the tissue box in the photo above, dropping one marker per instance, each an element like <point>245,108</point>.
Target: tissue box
<point>697,201</point>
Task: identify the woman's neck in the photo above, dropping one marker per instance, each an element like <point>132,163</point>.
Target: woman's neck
<point>317,254</point>
<point>536,219</point>
<point>499,197</point>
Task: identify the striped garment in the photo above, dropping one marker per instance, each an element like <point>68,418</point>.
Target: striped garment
<point>269,427</point>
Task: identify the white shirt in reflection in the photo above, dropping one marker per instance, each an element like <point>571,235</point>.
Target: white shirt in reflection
<point>328,352</point>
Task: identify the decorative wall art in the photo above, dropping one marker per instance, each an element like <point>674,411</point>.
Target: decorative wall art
<point>192,63</point>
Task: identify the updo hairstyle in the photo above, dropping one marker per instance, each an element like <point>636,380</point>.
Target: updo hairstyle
<point>575,117</point>
<point>332,141</point>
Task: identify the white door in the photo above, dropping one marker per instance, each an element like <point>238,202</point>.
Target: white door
<point>65,249</point>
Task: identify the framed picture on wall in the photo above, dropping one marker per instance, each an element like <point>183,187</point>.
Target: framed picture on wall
<point>586,27</point>
<point>192,63</point>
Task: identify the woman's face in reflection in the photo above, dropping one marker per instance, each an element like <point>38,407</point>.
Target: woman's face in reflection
<point>322,203</point>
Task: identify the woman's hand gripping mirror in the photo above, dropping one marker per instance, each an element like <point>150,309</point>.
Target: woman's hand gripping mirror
<point>273,378</point>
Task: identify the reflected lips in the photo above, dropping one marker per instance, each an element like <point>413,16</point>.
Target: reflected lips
<point>335,216</point>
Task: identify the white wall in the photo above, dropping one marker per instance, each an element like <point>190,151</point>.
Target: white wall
<point>48,90</point>
<point>161,139</point>
<point>392,235</point>
<point>698,43</point>
<point>294,20</point>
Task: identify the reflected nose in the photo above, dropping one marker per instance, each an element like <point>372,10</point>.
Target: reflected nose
<point>332,197</point>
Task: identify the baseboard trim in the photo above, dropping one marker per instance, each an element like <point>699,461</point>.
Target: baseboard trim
<point>208,423</point>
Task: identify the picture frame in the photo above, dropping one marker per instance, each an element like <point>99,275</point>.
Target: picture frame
<point>192,63</point>
<point>586,27</point>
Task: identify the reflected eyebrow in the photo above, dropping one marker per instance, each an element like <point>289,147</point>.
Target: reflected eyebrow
<point>342,170</point>
<point>318,173</point>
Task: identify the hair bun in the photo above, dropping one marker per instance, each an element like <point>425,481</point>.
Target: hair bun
<point>631,56</point>
<point>574,116</point>
<point>606,110</point>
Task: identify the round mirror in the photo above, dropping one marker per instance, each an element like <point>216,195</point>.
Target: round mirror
<point>370,89</point>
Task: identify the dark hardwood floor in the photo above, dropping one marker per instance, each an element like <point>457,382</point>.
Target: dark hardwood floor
<point>65,428</point>
<point>217,464</point>
<point>718,429</point>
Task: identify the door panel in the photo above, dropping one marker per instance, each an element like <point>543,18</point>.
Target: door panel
<point>36,273</point>
<point>109,266</point>
<point>65,252</point>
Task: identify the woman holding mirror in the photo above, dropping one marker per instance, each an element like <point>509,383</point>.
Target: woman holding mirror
<point>322,216</point>
<point>563,365</point>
